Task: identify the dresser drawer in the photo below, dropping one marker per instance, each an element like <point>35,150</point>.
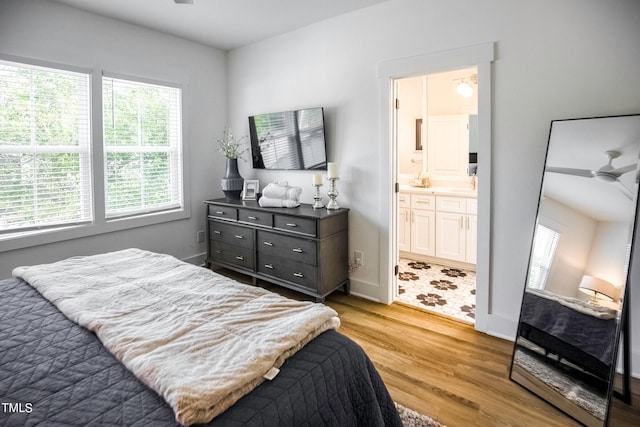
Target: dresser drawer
<point>231,233</point>
<point>231,254</point>
<point>295,224</point>
<point>297,249</point>
<point>254,217</point>
<point>222,212</point>
<point>304,275</point>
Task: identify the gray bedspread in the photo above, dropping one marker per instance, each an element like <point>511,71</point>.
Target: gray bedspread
<point>56,373</point>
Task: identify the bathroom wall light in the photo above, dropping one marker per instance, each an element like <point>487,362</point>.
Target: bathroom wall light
<point>464,89</point>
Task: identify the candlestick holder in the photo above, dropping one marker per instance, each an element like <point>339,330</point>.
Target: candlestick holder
<point>317,197</point>
<point>333,194</point>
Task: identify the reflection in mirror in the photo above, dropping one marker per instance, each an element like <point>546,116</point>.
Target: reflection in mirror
<point>570,319</point>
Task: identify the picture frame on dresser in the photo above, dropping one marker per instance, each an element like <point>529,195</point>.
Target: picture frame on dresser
<point>250,189</point>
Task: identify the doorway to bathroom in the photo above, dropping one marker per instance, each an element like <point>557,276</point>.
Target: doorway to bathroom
<point>436,141</point>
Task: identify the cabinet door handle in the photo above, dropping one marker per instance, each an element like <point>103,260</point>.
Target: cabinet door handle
<point>268,266</point>
<point>298,250</point>
<point>298,274</point>
<point>239,236</point>
<point>240,258</point>
<point>291,224</point>
<point>217,232</point>
<point>252,217</point>
<point>267,243</point>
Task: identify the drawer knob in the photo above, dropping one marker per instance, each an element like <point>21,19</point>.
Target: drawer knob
<point>240,258</point>
<point>268,243</point>
<point>239,236</point>
<point>268,266</point>
<point>298,250</point>
<point>291,224</point>
<point>221,213</point>
<point>298,274</point>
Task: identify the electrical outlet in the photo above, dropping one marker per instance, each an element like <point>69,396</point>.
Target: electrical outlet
<point>200,236</point>
<point>358,257</point>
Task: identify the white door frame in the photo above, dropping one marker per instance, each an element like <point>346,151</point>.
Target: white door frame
<point>480,56</point>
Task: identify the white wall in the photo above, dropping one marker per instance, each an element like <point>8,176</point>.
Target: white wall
<point>554,60</point>
<point>48,31</point>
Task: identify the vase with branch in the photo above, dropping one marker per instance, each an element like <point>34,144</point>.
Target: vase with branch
<point>233,149</point>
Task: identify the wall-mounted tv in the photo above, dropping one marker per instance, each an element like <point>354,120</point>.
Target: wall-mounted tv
<point>289,140</point>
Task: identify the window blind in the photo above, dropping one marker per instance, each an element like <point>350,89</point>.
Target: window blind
<point>142,147</point>
<point>280,146</point>
<point>45,164</point>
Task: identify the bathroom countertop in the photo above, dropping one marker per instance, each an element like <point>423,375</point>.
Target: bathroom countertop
<point>439,191</point>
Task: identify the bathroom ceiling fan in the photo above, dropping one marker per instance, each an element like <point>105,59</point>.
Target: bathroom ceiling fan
<point>607,173</point>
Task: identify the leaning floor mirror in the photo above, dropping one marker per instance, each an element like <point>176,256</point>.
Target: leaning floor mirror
<point>573,308</point>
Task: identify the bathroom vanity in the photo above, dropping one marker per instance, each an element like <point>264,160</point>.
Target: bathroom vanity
<point>438,224</point>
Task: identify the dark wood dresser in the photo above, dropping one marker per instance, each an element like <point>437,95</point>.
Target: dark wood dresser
<point>301,248</point>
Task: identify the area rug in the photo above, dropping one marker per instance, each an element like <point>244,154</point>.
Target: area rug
<point>411,418</point>
<point>578,392</point>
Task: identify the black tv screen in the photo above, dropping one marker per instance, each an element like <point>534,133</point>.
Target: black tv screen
<point>289,140</point>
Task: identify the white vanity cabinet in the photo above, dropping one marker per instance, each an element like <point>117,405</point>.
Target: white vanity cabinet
<point>404,222</point>
<point>456,228</point>
<point>423,217</point>
<point>448,145</point>
<point>416,223</point>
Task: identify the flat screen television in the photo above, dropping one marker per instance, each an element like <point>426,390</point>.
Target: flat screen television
<point>289,140</point>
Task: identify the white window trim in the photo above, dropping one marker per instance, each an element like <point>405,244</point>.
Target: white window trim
<point>26,239</point>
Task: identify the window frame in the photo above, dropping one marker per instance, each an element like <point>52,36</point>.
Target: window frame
<point>100,224</point>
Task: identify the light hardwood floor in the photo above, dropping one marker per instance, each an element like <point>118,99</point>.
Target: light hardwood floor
<point>443,368</point>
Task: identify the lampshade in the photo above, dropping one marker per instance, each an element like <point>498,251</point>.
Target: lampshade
<point>598,288</point>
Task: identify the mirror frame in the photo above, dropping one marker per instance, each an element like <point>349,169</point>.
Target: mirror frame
<point>622,326</point>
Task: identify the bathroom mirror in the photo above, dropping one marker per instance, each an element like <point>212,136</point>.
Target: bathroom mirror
<point>566,346</point>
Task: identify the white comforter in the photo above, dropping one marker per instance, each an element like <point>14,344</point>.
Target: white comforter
<point>199,339</point>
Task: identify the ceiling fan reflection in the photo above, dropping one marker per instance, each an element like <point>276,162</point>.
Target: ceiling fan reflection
<point>607,173</point>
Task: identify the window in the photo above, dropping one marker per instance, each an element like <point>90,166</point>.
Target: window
<point>142,147</point>
<point>59,179</point>
<point>544,248</point>
<point>45,166</point>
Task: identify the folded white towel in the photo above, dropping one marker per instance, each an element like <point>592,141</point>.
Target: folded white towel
<point>282,191</point>
<point>268,202</point>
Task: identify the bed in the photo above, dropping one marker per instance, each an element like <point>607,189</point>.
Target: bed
<point>55,372</point>
<point>571,329</point>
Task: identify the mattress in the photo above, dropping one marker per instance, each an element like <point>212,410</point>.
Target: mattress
<point>54,372</point>
<point>588,341</point>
